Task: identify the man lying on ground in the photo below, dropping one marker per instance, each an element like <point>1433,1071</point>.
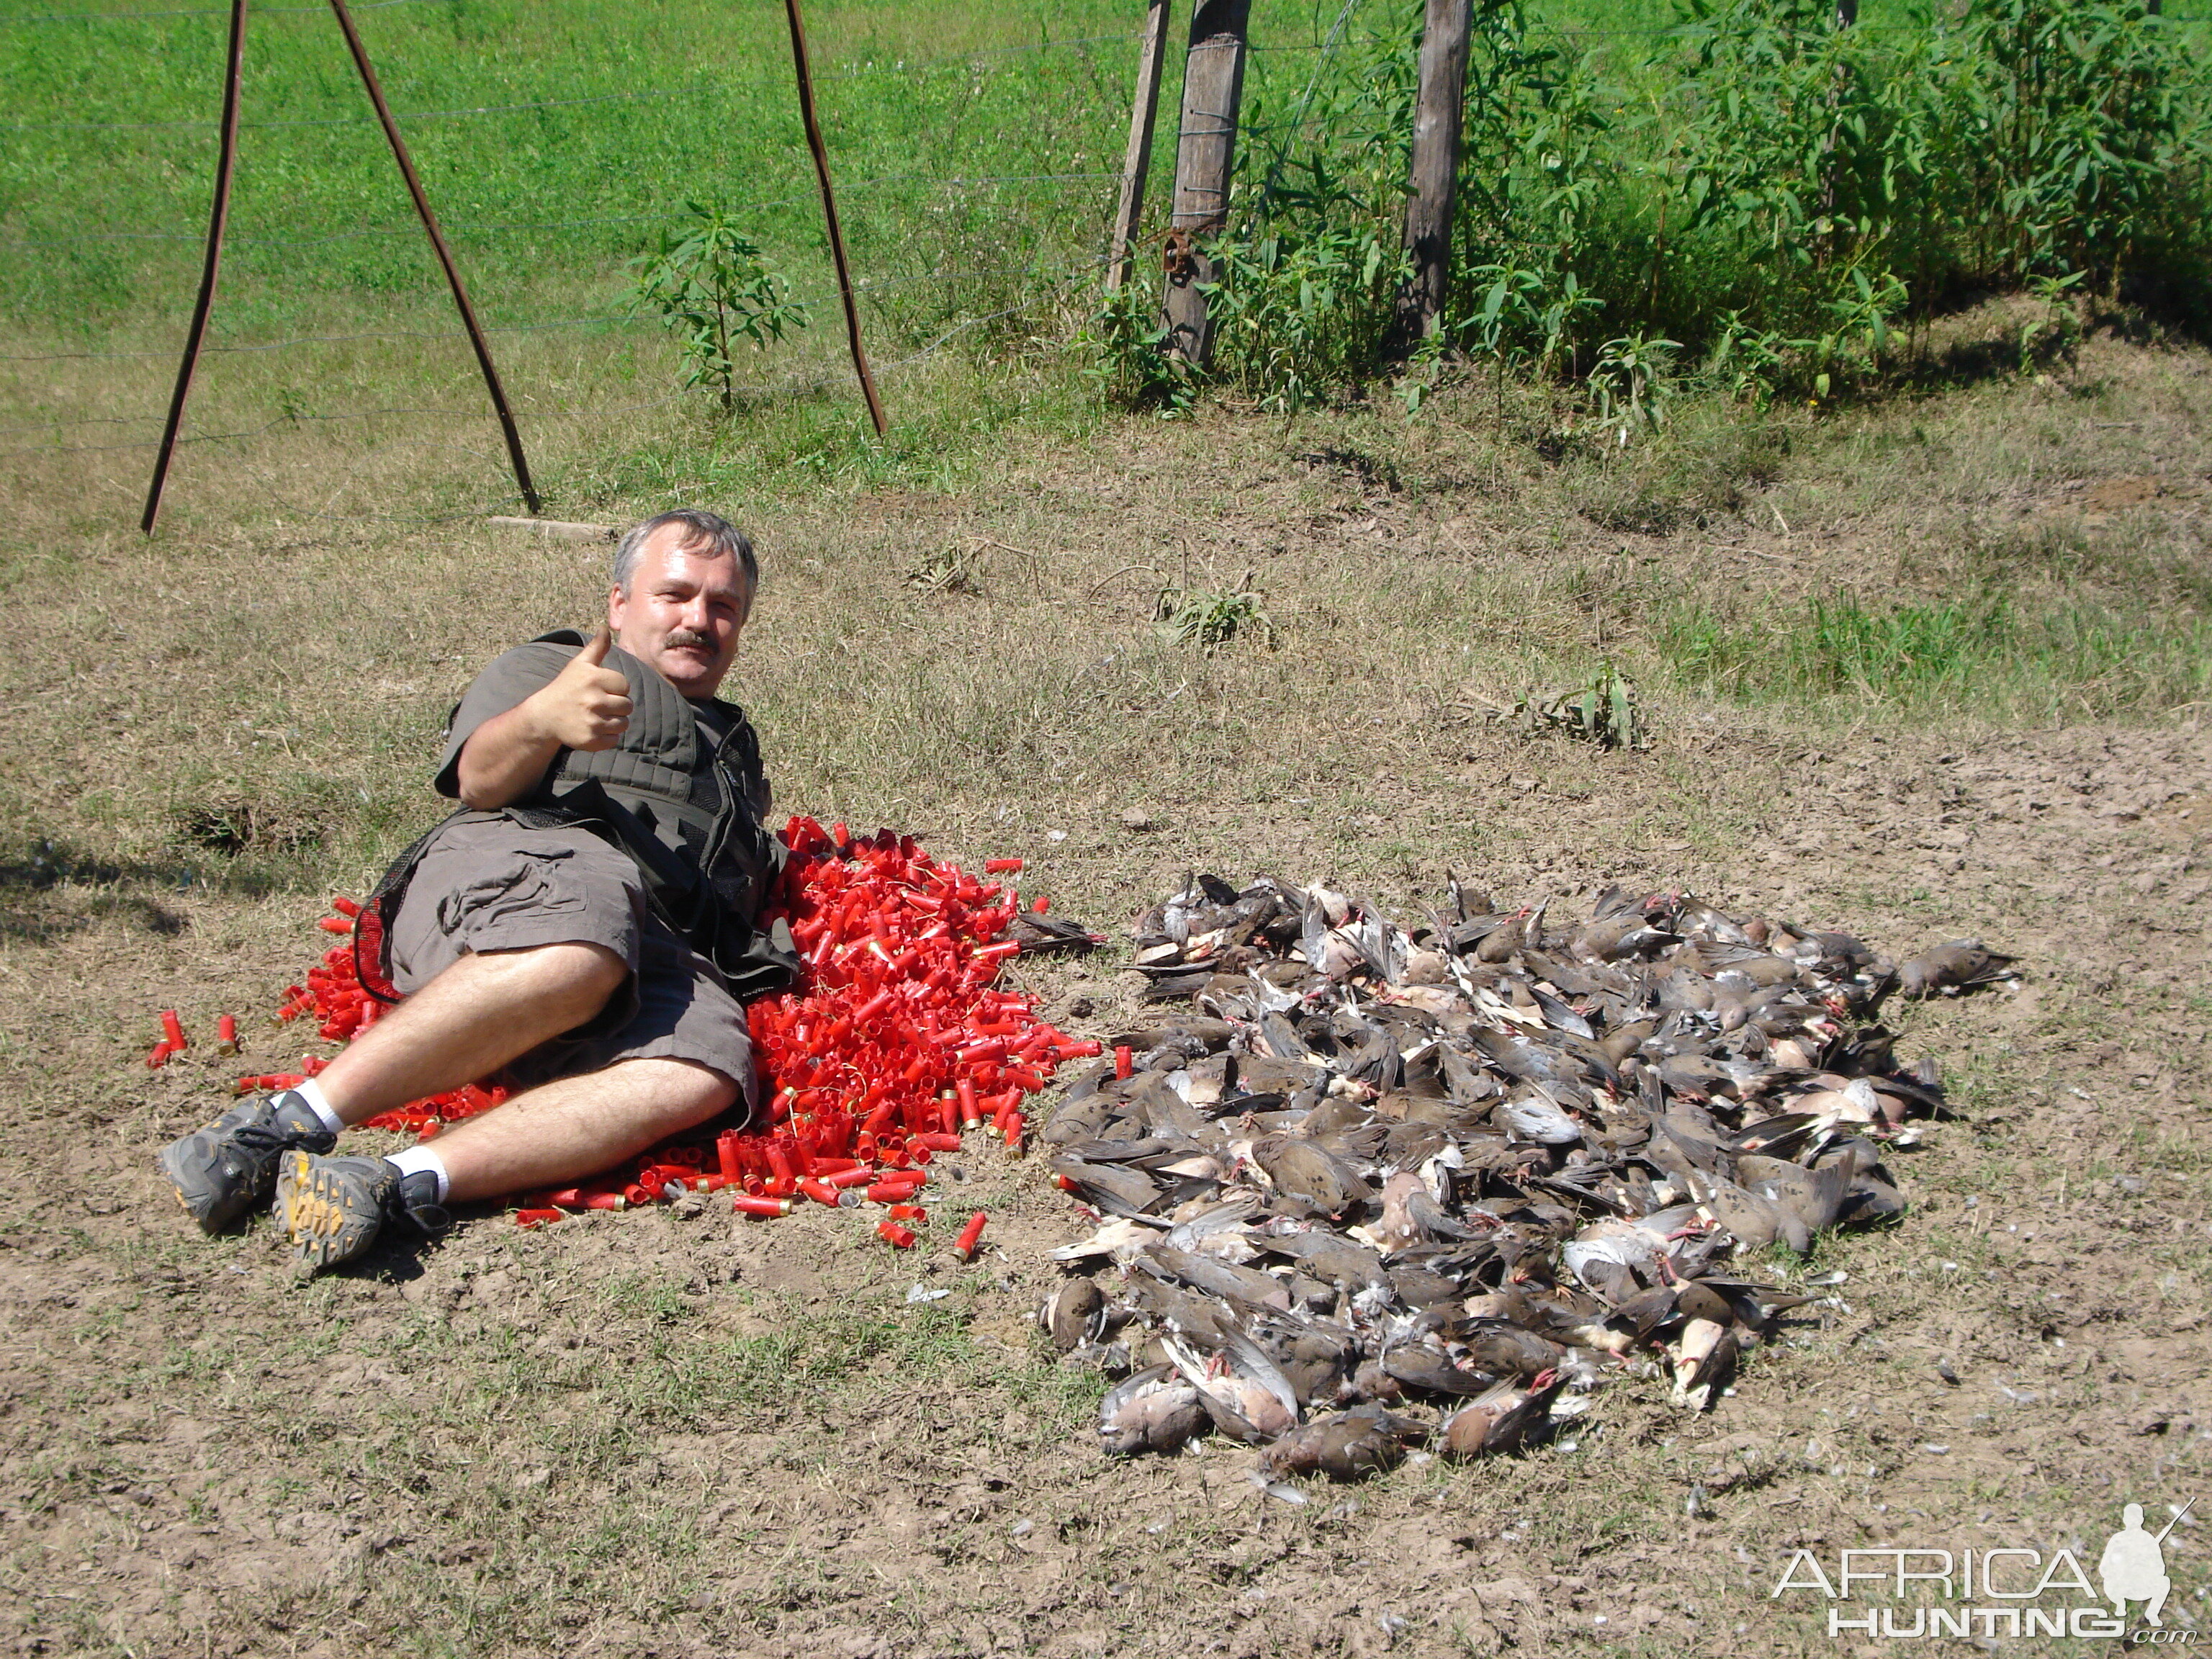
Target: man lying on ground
<point>585,924</point>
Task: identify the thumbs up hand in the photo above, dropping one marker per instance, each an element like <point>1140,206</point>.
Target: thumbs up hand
<point>587,705</point>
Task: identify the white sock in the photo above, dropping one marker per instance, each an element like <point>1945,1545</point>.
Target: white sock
<point>311,1092</point>
<point>421,1157</point>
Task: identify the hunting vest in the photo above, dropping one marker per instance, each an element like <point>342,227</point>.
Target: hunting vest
<point>688,820</point>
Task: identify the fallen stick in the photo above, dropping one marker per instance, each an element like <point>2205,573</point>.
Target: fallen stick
<point>559,529</point>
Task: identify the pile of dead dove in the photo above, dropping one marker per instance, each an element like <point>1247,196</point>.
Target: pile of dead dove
<point>1363,1190</point>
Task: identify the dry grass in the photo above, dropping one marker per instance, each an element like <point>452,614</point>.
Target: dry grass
<point>649,1433</point>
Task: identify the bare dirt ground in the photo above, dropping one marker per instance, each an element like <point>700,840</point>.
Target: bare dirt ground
<point>680,1434</point>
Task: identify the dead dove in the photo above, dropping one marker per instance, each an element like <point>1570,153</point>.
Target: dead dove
<point>1345,1445</point>
<point>1949,968</point>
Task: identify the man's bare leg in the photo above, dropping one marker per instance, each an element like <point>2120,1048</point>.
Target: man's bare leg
<point>333,1208</point>
<point>576,1127</point>
<point>479,1013</point>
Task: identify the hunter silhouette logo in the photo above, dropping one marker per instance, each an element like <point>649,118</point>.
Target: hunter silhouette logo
<point>2133,1565</point>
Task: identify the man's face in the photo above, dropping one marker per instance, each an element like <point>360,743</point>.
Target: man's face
<point>682,612</point>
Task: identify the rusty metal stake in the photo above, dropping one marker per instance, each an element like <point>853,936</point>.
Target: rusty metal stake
<point>830,213</point>
<point>445,255</point>
<point>218,216</point>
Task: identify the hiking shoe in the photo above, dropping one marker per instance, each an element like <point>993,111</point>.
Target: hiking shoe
<point>229,1167</point>
<point>332,1209</point>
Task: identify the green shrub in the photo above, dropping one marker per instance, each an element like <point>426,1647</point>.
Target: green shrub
<point>1782,200</point>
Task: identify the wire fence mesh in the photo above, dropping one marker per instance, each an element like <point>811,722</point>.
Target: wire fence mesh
<point>975,177</point>
<point>976,156</point>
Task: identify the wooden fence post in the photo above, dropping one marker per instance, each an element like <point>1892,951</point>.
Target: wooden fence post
<point>1137,159</point>
<point>1437,107</point>
<point>1206,149</point>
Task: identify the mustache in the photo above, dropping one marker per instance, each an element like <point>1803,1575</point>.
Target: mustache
<point>686,636</point>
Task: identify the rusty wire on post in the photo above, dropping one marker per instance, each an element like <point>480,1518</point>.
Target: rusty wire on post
<point>218,217</point>
<point>445,254</point>
<point>830,214</point>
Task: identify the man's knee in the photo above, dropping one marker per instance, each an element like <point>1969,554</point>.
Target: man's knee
<point>701,1089</point>
<point>574,970</point>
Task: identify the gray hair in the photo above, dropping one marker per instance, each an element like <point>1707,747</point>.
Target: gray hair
<point>707,534</point>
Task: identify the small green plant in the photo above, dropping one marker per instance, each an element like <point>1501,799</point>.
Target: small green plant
<point>1604,712</point>
<point>2060,324</point>
<point>1125,345</point>
<point>1632,384</point>
<point>1298,312</point>
<point>707,281</point>
<point>1191,615</point>
<point>1522,315</point>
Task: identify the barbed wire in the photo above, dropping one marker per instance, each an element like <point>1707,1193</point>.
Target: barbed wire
<point>1065,273</point>
<point>866,285</point>
<point>199,11</point>
<point>416,229</point>
<point>1037,285</point>
<point>765,78</point>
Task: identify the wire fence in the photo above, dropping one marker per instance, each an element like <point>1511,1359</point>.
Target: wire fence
<point>949,247</point>
<point>978,183</point>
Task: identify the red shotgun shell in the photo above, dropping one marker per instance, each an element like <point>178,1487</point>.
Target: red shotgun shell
<point>1125,1061</point>
<point>1002,866</point>
<point>536,1218</point>
<point>969,1236</point>
<point>225,1031</point>
<point>160,1056</point>
<point>173,1028</point>
<point>893,1233</point>
<point>820,1194</point>
<point>743,1204</point>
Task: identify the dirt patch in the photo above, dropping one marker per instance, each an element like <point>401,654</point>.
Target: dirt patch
<point>691,1435</point>
<point>621,1436</point>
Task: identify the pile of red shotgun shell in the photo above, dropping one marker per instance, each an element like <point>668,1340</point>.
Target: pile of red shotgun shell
<point>894,1045</point>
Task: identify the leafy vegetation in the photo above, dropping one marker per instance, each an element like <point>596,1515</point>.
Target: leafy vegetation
<point>1210,621</point>
<point>1763,200</point>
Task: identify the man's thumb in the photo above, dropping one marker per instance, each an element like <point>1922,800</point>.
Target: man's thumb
<point>596,652</point>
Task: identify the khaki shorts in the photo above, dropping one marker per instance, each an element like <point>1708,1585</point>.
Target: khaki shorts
<point>498,886</point>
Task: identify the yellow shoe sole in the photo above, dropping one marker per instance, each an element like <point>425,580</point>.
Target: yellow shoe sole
<point>328,1219</point>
